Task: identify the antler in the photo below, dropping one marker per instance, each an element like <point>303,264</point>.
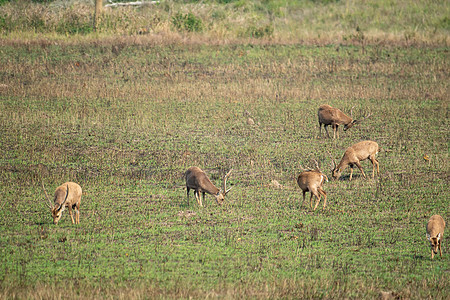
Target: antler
<point>351,111</point>
<point>335,165</point>
<point>65,199</point>
<point>49,204</point>
<point>317,165</point>
<point>311,169</point>
<point>360,120</point>
<point>225,191</point>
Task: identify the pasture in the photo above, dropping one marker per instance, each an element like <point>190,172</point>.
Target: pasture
<point>125,118</point>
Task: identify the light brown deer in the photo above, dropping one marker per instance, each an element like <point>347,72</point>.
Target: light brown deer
<point>66,195</point>
<point>329,115</point>
<point>311,180</point>
<point>354,155</point>
<point>197,180</point>
<point>435,232</point>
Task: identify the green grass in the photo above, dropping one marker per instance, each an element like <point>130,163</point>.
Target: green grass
<point>403,22</point>
<point>125,120</point>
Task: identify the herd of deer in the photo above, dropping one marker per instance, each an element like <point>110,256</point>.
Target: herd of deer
<point>310,180</point>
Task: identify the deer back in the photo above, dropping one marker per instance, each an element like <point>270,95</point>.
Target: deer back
<point>363,150</point>
<point>358,152</point>
<point>310,180</point>
<point>435,225</point>
<point>66,195</point>
<point>329,115</point>
<point>353,154</point>
<point>73,195</point>
<point>197,179</point>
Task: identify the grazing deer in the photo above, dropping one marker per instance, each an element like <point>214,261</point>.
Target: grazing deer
<point>197,180</point>
<point>66,195</point>
<point>311,180</point>
<point>354,155</point>
<point>332,116</point>
<point>435,231</point>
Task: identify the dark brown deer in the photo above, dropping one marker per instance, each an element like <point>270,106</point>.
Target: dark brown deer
<point>435,231</point>
<point>197,180</point>
<point>354,155</point>
<point>311,180</point>
<point>66,195</point>
<point>332,116</point>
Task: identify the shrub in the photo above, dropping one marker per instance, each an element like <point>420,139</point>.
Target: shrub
<point>75,23</point>
<point>260,32</point>
<point>187,22</point>
<point>3,23</point>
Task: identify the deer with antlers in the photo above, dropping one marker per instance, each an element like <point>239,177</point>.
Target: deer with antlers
<point>329,115</point>
<point>66,195</point>
<point>311,180</point>
<point>354,155</point>
<point>197,180</point>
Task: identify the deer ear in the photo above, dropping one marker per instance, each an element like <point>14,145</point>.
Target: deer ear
<point>428,236</point>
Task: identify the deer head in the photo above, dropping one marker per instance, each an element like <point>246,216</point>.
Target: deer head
<point>335,172</point>
<point>58,207</point>
<point>434,242</point>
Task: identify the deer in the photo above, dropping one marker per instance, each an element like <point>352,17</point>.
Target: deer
<point>66,195</point>
<point>435,231</point>
<point>329,115</point>
<point>311,180</point>
<point>197,180</point>
<point>354,155</point>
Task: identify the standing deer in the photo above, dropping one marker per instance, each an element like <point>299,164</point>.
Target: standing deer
<point>66,195</point>
<point>332,116</point>
<point>197,180</point>
<point>435,231</point>
<point>354,155</point>
<point>311,180</point>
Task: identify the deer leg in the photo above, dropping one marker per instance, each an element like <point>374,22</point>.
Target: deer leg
<point>351,172</point>
<point>187,193</point>
<point>318,199</point>
<point>440,250</point>
<point>311,199</point>
<point>320,129</point>
<point>304,196</point>
<point>326,130</point>
<point>324,197</point>
<point>203,194</point>
<point>358,164</point>
<point>374,164</point>
<point>336,129</point>
<point>432,254</point>
<point>70,213</point>
<point>77,214</point>
<point>197,196</point>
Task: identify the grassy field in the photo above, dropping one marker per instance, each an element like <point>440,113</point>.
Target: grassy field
<point>125,116</point>
<point>125,122</point>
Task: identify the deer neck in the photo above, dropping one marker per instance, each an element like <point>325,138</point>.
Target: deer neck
<point>342,165</point>
<point>346,119</point>
<point>210,188</point>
